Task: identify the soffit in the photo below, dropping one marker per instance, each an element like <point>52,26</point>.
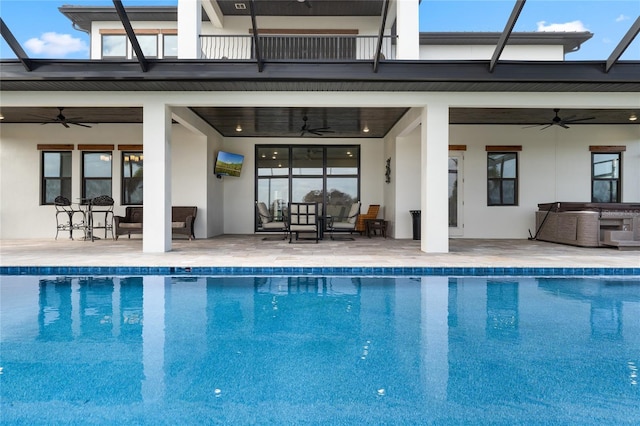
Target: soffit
<point>343,122</point>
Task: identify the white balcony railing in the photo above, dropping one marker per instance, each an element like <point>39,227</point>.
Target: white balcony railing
<point>285,47</point>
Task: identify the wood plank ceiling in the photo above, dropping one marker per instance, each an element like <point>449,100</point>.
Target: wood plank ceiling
<point>342,122</point>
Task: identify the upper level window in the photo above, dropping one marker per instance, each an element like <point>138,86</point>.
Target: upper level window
<point>96,174</point>
<point>605,177</point>
<point>502,179</point>
<point>170,46</point>
<point>148,44</point>
<point>114,46</point>
<point>132,178</point>
<point>56,176</point>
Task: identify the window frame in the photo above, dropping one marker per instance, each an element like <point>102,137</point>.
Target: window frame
<point>84,179</point>
<point>617,181</point>
<point>62,179</point>
<point>126,47</point>
<point>124,180</point>
<point>290,176</point>
<point>164,48</point>
<point>501,180</point>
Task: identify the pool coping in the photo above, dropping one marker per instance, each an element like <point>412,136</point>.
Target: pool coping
<point>328,270</point>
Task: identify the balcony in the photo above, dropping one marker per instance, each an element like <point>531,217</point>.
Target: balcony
<point>297,48</point>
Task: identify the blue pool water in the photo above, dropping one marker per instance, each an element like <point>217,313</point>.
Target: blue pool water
<point>319,350</point>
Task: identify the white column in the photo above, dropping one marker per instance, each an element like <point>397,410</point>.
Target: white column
<point>434,201</point>
<point>189,27</point>
<point>153,338</point>
<point>408,29</point>
<point>435,336</point>
<point>156,236</point>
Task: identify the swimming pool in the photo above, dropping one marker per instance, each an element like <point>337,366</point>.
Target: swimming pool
<point>319,350</point>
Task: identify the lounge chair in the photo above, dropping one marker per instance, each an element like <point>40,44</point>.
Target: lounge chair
<point>347,223</point>
<point>303,218</point>
<point>372,213</point>
<point>266,222</point>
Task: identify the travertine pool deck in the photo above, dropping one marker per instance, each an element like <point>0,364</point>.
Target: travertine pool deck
<point>253,251</point>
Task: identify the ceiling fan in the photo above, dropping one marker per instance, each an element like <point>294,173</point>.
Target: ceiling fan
<point>65,121</point>
<point>305,2</point>
<point>562,122</point>
<point>318,131</point>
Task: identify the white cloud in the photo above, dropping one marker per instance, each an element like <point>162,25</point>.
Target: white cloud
<point>55,45</point>
<point>566,27</point>
<point>622,18</point>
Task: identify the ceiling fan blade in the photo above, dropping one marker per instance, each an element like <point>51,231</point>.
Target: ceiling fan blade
<point>313,132</point>
<point>64,124</point>
<point>547,126</point>
<point>577,119</point>
<point>81,125</point>
<point>563,125</point>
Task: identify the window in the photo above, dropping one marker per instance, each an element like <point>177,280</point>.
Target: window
<point>56,176</point>
<point>324,174</point>
<point>96,174</point>
<point>605,177</point>
<point>170,46</point>
<point>114,46</point>
<point>132,178</point>
<point>502,179</point>
<point>148,44</point>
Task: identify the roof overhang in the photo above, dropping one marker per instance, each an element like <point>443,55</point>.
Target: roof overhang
<point>195,75</point>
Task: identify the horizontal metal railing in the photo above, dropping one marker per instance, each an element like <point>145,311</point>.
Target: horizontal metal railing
<point>299,47</point>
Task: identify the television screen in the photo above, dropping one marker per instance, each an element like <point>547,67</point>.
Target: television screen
<point>228,164</point>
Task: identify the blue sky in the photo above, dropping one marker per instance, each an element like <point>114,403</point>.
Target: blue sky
<point>44,32</point>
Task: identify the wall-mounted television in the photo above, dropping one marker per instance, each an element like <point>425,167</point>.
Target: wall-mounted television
<point>228,164</point>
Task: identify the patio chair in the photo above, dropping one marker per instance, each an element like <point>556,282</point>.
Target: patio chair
<point>372,213</point>
<point>102,204</point>
<point>266,222</point>
<point>65,209</point>
<point>303,218</point>
<point>347,223</point>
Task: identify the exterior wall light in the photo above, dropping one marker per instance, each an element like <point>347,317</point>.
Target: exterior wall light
<point>238,128</point>
<point>633,117</point>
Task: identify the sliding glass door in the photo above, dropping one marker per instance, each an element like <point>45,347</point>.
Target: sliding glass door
<point>329,175</point>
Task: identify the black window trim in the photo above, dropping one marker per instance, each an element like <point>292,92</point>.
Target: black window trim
<point>516,194</point>
<point>44,179</point>
<point>324,176</point>
<point>618,180</point>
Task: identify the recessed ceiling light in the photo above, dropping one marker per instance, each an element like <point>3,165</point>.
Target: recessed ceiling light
<point>633,117</point>
<point>240,6</point>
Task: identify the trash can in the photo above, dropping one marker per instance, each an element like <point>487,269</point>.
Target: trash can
<point>415,214</point>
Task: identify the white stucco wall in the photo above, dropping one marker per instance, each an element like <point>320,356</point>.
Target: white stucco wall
<point>554,165</point>
<point>22,216</point>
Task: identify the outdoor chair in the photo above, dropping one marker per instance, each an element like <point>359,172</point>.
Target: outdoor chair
<point>266,222</point>
<point>347,223</point>
<point>303,219</point>
<point>372,213</point>
<point>101,205</point>
<point>65,209</point>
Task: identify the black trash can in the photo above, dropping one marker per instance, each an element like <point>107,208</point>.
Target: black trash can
<point>415,214</point>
